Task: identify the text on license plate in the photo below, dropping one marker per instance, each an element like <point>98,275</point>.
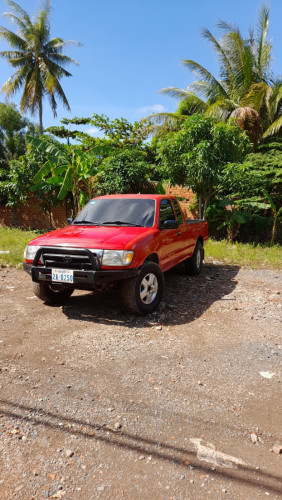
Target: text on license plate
<point>62,275</point>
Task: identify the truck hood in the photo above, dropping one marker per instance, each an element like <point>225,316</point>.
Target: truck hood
<point>107,238</point>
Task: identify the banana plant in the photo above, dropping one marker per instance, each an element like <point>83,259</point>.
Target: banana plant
<point>69,168</point>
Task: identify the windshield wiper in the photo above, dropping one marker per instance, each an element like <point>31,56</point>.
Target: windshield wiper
<point>84,222</point>
<point>120,223</point>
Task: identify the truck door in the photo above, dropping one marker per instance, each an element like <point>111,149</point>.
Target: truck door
<point>186,241</point>
<point>168,238</point>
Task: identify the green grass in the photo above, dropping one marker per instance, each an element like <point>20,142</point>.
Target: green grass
<point>254,256</point>
<point>14,240</point>
<point>241,254</point>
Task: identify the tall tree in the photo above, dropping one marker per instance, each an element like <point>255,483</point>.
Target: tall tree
<point>39,61</point>
<point>12,131</point>
<point>245,81</point>
<point>196,155</point>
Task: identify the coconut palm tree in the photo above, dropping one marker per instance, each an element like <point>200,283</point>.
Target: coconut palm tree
<point>245,81</point>
<point>267,100</point>
<point>39,61</point>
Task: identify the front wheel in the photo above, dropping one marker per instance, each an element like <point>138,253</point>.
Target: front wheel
<point>194,264</point>
<point>142,294</point>
<point>53,294</point>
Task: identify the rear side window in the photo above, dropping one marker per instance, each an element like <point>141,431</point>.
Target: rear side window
<point>177,211</point>
<point>166,212</point>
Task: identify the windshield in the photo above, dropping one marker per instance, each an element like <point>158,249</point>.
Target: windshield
<point>118,212</point>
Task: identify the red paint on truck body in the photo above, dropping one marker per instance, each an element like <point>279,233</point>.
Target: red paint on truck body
<point>171,246</point>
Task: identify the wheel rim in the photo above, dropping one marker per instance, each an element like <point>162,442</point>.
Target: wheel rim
<point>199,258</point>
<point>149,288</point>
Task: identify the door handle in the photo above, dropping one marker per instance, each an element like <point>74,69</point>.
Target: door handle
<point>179,233</point>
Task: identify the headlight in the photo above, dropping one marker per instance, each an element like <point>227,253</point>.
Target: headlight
<point>30,251</point>
<point>117,257</point>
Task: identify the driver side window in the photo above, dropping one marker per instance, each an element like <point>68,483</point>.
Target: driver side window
<point>166,212</point>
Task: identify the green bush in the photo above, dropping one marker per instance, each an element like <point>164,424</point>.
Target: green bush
<point>124,171</point>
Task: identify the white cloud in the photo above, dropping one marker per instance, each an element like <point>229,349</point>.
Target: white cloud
<point>155,108</point>
<point>93,131</point>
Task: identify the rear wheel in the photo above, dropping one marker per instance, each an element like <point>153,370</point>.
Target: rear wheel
<point>142,294</point>
<point>194,264</point>
<point>53,294</point>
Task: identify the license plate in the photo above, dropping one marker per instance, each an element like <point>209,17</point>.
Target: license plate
<point>62,275</point>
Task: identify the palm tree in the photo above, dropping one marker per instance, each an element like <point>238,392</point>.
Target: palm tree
<point>245,80</point>
<point>39,60</point>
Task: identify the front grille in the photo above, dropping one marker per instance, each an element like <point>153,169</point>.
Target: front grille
<point>80,259</point>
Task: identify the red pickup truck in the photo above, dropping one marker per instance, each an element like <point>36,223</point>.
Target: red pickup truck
<point>129,240</point>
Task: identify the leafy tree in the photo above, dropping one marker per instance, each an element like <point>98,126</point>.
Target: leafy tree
<point>120,132</point>
<point>12,131</point>
<point>124,171</point>
<point>39,60</point>
<point>247,189</point>
<point>259,171</point>
<point>196,155</point>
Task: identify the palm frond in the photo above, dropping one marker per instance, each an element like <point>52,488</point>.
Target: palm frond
<point>58,44</point>
<point>23,28</point>
<point>54,89</point>
<point>224,62</point>
<point>11,55</point>
<point>264,48</point>
<point>227,27</point>
<point>61,59</point>
<point>20,11</point>
<point>274,128</point>
<point>220,109</point>
<point>47,66</point>
<point>33,91</point>
<point>196,68</point>
<point>42,25</point>
<point>18,62</point>
<point>256,96</point>
<point>175,92</point>
<point>13,84</point>
<point>160,117</point>
<point>13,39</point>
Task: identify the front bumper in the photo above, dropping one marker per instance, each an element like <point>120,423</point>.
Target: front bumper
<point>83,280</point>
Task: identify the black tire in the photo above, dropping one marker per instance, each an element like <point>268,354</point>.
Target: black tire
<point>53,294</point>
<point>194,264</point>
<point>142,294</point>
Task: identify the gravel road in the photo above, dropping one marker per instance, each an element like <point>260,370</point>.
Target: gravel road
<point>182,404</point>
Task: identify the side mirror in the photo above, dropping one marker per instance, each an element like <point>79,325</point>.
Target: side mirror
<point>69,220</point>
<point>171,224</point>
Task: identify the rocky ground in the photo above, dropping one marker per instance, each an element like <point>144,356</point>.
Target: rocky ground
<point>182,404</point>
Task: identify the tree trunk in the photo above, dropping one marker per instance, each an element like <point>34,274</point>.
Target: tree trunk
<point>206,202</point>
<point>205,208</point>
<point>40,116</point>
<point>14,216</point>
<point>273,232</point>
<point>200,207</point>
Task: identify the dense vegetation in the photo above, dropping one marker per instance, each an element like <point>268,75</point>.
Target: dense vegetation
<point>223,141</point>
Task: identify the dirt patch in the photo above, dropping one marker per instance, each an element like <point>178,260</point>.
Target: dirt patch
<point>182,404</point>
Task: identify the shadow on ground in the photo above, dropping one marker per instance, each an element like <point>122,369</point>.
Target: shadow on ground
<point>183,457</point>
<point>185,299</point>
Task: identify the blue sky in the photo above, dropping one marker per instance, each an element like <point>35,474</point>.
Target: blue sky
<point>133,48</point>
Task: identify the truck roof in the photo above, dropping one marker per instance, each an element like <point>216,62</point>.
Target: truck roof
<point>131,195</point>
